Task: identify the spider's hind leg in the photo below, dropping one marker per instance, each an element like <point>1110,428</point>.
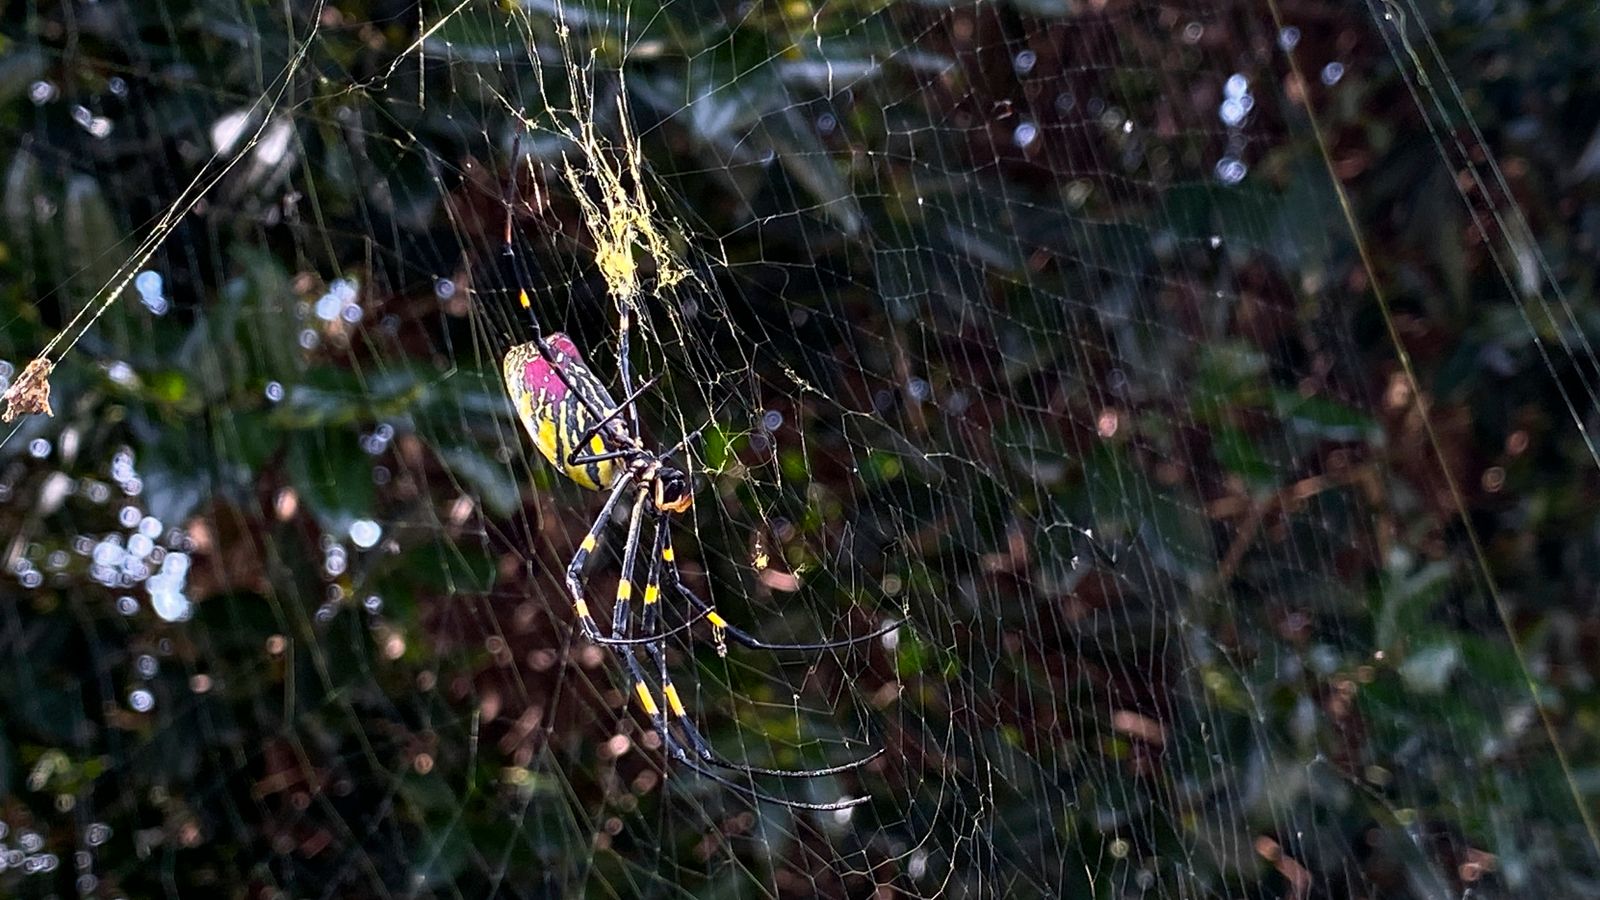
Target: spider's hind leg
<point>669,692</point>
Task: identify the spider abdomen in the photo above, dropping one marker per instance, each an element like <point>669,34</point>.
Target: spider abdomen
<point>555,403</point>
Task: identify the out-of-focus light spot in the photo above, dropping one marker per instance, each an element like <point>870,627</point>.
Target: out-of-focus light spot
<point>226,131</point>
<point>108,553</point>
<point>140,546</point>
<point>1025,134</point>
<point>141,700</point>
<point>444,288</point>
<point>274,144</point>
<point>918,867</point>
<point>166,589</point>
<point>772,420</point>
<point>122,470</point>
<point>1230,170</point>
<point>171,606</point>
<point>1231,112</point>
<point>42,92</point>
<point>1236,86</point>
<point>1107,423</point>
<point>1289,37</point>
<point>121,373</point>
<point>38,448</point>
<point>364,533</point>
<point>274,391</point>
<point>1332,73</point>
<point>1024,62</point>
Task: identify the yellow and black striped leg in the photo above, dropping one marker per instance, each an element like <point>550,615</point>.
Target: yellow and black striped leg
<point>624,406</point>
<point>719,625</point>
<point>647,702</point>
<point>721,629</point>
<point>575,579</point>
<point>630,556</point>
<point>625,367</point>
<point>669,692</point>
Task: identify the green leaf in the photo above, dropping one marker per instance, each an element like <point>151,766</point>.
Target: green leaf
<point>92,238</point>
<point>489,480</point>
<point>336,397</point>
<point>333,476</point>
<point>1237,453</point>
<point>1321,417</point>
<point>1428,670</point>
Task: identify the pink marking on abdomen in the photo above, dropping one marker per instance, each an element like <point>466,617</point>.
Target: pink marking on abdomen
<point>563,345</point>
<point>539,377</point>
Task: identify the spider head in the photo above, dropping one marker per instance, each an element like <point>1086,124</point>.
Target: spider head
<point>672,493</point>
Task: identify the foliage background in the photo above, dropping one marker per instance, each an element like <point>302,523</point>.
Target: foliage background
<point>1282,668</point>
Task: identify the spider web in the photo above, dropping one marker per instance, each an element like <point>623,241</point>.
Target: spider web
<point>1110,348</point>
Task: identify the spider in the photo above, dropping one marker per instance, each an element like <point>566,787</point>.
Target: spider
<point>595,442</point>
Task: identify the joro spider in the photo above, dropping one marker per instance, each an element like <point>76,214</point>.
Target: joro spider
<point>596,443</point>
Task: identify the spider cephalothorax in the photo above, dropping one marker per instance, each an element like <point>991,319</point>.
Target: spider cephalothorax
<point>672,494</point>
